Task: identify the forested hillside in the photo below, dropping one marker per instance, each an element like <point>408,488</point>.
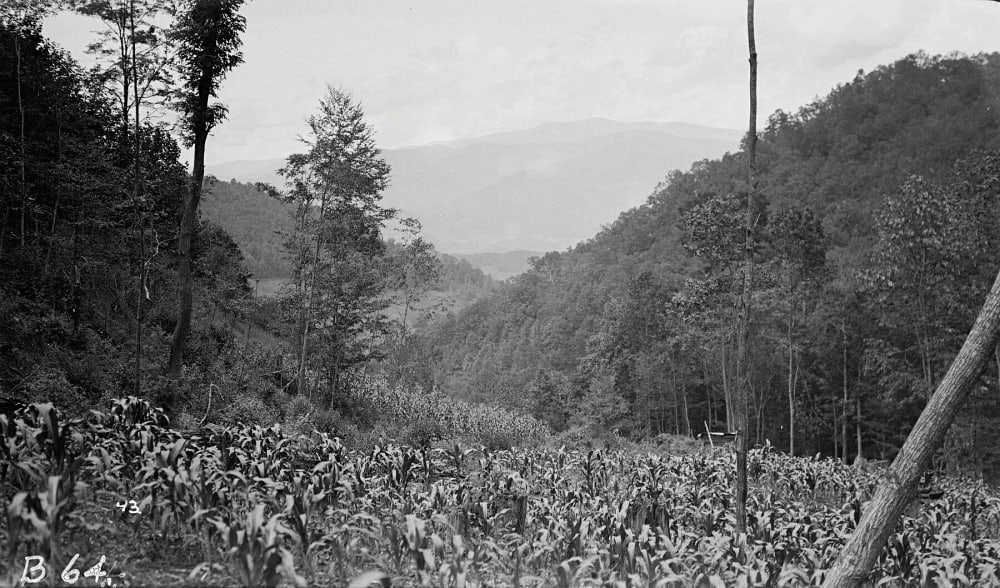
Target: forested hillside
<point>875,242</point>
<point>257,222</point>
<point>261,225</point>
<point>93,225</point>
<point>501,266</point>
<point>88,252</point>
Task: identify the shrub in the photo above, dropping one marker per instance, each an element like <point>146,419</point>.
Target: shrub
<point>49,384</point>
<point>298,407</point>
<point>249,410</point>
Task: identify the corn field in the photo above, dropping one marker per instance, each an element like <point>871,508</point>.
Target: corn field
<point>252,506</point>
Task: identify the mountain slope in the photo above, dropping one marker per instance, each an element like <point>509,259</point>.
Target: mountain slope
<point>531,343</point>
<point>541,189</point>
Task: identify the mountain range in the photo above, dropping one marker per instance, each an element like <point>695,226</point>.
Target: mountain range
<point>540,189</point>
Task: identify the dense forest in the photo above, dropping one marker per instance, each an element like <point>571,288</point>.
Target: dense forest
<point>874,246</point>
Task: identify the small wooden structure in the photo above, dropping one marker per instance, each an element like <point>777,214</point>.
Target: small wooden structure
<point>716,439</point>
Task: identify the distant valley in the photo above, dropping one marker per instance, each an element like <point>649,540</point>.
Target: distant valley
<point>259,224</point>
<point>541,189</point>
<point>501,266</point>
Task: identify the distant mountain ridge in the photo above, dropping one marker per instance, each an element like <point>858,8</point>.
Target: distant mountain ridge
<point>571,131</point>
<point>501,266</point>
<point>540,189</point>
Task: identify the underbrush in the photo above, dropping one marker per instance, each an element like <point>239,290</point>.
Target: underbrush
<point>255,505</point>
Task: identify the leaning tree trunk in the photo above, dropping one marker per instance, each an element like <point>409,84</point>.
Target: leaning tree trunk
<point>742,369</point>
<point>900,484</point>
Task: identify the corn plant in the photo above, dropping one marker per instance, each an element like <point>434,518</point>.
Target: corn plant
<point>256,550</point>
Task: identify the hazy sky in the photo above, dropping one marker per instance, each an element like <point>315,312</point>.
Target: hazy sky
<point>433,70</point>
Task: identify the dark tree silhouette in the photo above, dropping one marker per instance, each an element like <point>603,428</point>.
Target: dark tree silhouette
<point>208,35</point>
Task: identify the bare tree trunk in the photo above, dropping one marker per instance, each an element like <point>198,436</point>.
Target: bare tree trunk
<point>184,274</point>
<point>307,307</point>
<point>75,289</point>
<point>843,421</point>
<point>687,414</point>
<point>836,438</point>
<point>398,370</point>
<point>857,411</point>
<point>21,184</point>
<point>677,412</point>
<point>847,403</point>
<point>727,391</point>
<point>710,397</point>
<point>126,78</point>
<point>900,482</point>
<point>742,370</point>
<point>304,321</point>
<point>55,205</point>
<point>791,384</point>
<point>3,224</point>
<point>140,217</point>
<point>299,281</point>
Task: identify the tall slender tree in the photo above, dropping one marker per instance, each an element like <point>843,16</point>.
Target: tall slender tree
<point>133,53</point>
<point>208,38</point>
<point>135,68</point>
<point>743,337</point>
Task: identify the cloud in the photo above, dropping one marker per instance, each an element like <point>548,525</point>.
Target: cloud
<point>443,69</point>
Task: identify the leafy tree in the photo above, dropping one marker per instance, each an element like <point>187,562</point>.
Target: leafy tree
<point>798,241</point>
<point>716,234</point>
<point>208,39</point>
<point>917,263</point>
<point>335,188</point>
<point>133,51</point>
<point>927,267</point>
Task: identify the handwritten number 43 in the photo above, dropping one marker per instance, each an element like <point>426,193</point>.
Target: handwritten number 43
<point>131,505</point>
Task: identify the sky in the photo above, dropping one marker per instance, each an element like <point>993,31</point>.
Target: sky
<point>438,70</point>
